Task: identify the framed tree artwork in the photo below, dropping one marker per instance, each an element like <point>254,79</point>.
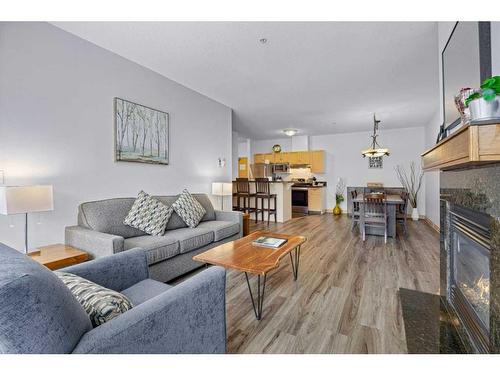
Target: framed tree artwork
<point>375,162</point>
<point>141,133</point>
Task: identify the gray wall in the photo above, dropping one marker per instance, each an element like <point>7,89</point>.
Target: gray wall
<point>56,127</point>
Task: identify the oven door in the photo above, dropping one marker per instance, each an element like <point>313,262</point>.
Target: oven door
<point>300,201</point>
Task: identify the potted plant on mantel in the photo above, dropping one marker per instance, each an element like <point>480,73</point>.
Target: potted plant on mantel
<point>484,104</point>
<point>412,182</point>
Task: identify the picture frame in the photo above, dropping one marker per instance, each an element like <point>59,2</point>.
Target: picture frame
<point>141,133</point>
<point>375,162</point>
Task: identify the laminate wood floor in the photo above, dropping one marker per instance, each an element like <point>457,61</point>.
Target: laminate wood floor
<point>346,297</point>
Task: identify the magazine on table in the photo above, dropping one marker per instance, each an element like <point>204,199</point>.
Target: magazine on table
<point>271,242</point>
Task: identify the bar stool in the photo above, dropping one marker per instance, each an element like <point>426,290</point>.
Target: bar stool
<point>243,191</point>
<point>263,191</point>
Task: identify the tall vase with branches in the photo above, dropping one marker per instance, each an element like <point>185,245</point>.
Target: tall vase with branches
<point>412,182</point>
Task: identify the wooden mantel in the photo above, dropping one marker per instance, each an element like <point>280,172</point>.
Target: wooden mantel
<point>468,146</point>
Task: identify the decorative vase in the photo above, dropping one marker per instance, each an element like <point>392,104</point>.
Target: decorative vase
<point>337,210</point>
<point>414,214</point>
<point>482,110</point>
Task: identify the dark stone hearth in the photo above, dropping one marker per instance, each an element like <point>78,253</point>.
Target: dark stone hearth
<point>429,329</point>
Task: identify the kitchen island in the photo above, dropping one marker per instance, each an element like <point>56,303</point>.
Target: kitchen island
<point>283,191</point>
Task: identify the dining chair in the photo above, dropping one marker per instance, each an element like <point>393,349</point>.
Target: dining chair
<point>401,212</point>
<point>354,209</point>
<point>374,213</point>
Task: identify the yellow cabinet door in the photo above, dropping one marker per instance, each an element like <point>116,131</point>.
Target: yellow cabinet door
<point>258,158</point>
<point>281,157</point>
<point>293,157</point>
<point>303,157</point>
<point>317,161</point>
<point>269,158</point>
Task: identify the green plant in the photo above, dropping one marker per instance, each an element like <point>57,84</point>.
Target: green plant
<point>490,88</point>
<point>339,191</point>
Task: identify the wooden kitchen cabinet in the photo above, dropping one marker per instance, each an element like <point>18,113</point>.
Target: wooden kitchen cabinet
<point>258,158</point>
<point>315,158</point>
<point>303,157</point>
<point>269,157</point>
<point>281,157</point>
<point>316,200</point>
<point>261,158</point>
<point>317,161</point>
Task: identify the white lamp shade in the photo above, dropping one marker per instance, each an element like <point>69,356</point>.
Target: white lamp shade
<point>23,199</point>
<point>222,188</point>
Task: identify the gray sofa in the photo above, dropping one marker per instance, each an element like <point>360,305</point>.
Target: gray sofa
<point>38,313</point>
<point>100,231</point>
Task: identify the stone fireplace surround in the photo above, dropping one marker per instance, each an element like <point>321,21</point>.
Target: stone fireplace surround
<point>474,190</point>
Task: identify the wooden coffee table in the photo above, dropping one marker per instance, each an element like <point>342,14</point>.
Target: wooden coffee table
<point>241,255</point>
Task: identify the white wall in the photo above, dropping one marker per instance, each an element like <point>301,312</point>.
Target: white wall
<point>56,127</point>
<point>263,146</point>
<point>432,130</point>
<point>234,154</point>
<point>343,158</point>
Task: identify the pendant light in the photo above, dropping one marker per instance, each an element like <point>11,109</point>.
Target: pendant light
<point>375,150</point>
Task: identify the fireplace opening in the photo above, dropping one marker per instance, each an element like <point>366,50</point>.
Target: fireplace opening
<point>469,291</point>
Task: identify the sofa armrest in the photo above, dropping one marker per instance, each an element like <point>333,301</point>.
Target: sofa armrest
<point>116,272</point>
<point>97,244</point>
<point>235,216</point>
<point>189,318</point>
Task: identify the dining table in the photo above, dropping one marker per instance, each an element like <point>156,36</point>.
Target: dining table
<point>393,201</point>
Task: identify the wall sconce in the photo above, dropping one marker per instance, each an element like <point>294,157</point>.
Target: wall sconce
<point>221,162</point>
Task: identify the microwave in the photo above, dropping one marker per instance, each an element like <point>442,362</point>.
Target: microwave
<point>281,168</point>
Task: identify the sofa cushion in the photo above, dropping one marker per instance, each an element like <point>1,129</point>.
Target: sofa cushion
<point>157,248</point>
<point>107,216</point>
<point>189,209</point>
<point>221,229</point>
<point>190,238</point>
<point>38,314</point>
<point>145,290</point>
<point>149,215</point>
<point>100,303</point>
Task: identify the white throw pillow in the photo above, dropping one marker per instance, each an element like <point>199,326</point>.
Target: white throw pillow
<point>149,215</point>
<point>189,209</point>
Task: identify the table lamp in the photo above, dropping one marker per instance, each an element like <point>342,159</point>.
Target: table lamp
<point>25,199</point>
<point>222,189</point>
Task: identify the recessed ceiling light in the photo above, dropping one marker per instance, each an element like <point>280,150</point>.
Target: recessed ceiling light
<point>263,40</point>
<point>290,132</point>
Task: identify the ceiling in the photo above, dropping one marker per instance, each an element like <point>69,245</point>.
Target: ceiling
<point>318,77</point>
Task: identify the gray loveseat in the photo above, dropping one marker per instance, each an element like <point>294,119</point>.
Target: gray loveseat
<point>100,231</point>
<point>38,313</point>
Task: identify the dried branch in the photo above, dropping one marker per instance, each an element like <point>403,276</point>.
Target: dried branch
<point>411,181</point>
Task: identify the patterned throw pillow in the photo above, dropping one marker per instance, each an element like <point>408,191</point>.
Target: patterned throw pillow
<point>189,209</point>
<point>100,303</point>
<point>149,215</point>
